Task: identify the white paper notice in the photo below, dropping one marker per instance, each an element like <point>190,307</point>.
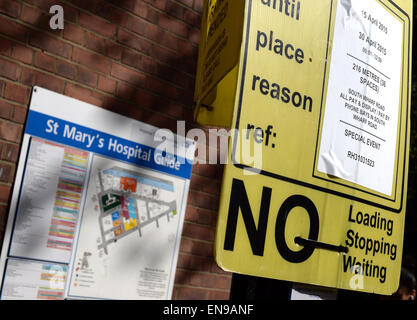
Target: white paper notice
<point>30,280</point>
<point>360,124</point>
<point>48,211</point>
<point>37,202</point>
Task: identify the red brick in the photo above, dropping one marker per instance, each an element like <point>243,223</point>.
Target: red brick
<point>10,8</point>
<point>90,5</point>
<point>11,152</point>
<point>148,65</point>
<point>124,108</point>
<point>144,99</point>
<point>5,47</point>
<point>140,9</point>
<point>154,33</point>
<point>51,45</point>
<point>186,48</point>
<point>104,10</point>
<point>190,262</point>
<point>183,277</point>
<point>204,249</point>
<point>71,14</point>
<point>6,110</point>
<point>9,70</point>
<point>74,33</point>
<point>223,282</point>
<point>160,4</point>
<point>5,171</point>
<point>129,75</point>
<point>176,77</point>
<point>38,19</point>
<point>45,61</point>
<point>9,131</point>
<point>97,24</point>
<point>214,268</point>
<point>134,42</point>
<point>196,231</point>
<point>186,97</point>
<point>190,294</point>
<point>218,295</point>
<point>209,171</point>
<point>127,4</point>
<point>201,216</point>
<point>119,17</point>
<point>137,25</point>
<point>162,88</point>
<point>159,120</point>
<point>173,26</point>
<point>199,183</point>
<point>188,3</point>
<point>22,53</point>
<point>31,15</point>
<point>198,6</point>
<point>4,193</point>
<point>165,55</point>
<point>159,103</point>
<point>203,200</point>
<point>207,280</point>
<point>3,217</point>
<point>2,85</point>
<point>175,10</point>
<point>125,92</point>
<point>32,77</point>
<point>12,174</point>
<point>106,84</point>
<point>170,41</point>
<point>16,93</point>
<point>192,18</point>
<point>65,69</point>
<point>87,77</point>
<point>186,245</point>
<point>194,36</point>
<point>91,60</point>
<point>113,50</point>
<point>131,58</point>
<point>19,114</point>
<point>12,29</point>
<point>82,94</point>
<point>195,278</point>
<point>173,109</point>
<point>188,115</point>
<point>152,15</point>
<point>95,43</point>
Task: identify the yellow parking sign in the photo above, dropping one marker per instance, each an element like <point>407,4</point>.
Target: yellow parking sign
<point>323,89</point>
<point>221,37</point>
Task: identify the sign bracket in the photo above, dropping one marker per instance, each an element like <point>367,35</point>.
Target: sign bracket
<point>320,245</point>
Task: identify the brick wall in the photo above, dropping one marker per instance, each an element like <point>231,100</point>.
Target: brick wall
<point>134,57</point>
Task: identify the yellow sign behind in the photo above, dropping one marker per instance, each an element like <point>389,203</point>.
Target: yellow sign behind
<point>220,41</point>
<point>328,103</point>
